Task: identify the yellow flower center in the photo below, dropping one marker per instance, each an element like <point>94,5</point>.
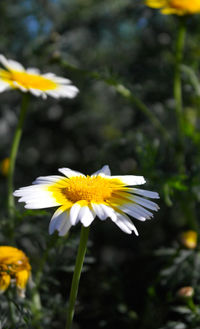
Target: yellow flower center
<point>95,189</point>
<point>28,80</point>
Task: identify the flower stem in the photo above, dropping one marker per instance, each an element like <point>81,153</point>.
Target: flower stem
<point>178,86</point>
<point>76,276</point>
<point>13,153</point>
<point>11,307</point>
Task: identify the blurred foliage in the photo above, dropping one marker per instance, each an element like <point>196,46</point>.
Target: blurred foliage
<point>118,53</point>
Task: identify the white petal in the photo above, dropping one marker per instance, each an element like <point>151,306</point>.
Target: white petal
<point>69,91</point>
<point>108,211</point>
<point>4,85</point>
<point>123,227</point>
<point>41,204</point>
<point>36,197</point>
<point>70,173</point>
<point>136,211</point>
<point>37,205</point>
<point>85,216</point>
<point>74,212</point>
<point>65,228</point>
<point>47,179</point>
<point>125,224</point>
<point>15,66</point>
<point>58,221</point>
<point>33,70</point>
<point>10,64</point>
<point>102,211</point>
<point>30,189</point>
<point>3,60</point>
<point>35,92</point>
<point>44,96</point>
<point>59,79</point>
<point>146,193</point>
<point>130,179</point>
<point>53,94</point>
<point>143,202</point>
<point>48,75</point>
<point>18,85</point>
<point>34,189</point>
<point>105,170</point>
<point>99,211</point>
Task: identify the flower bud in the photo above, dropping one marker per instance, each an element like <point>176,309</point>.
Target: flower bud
<point>4,166</point>
<point>189,239</point>
<point>185,292</point>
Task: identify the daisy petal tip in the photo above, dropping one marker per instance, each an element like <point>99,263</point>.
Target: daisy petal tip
<point>3,60</point>
<point>69,172</point>
<point>63,232</point>
<point>51,231</point>
<point>104,171</point>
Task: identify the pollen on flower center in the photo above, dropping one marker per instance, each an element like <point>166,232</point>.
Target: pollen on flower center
<point>33,81</point>
<point>91,189</point>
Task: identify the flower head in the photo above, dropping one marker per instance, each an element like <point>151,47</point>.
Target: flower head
<point>177,7</point>
<point>82,198</point>
<point>14,76</point>
<point>14,266</point>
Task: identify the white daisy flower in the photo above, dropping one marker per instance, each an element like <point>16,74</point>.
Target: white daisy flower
<point>14,76</point>
<point>81,198</point>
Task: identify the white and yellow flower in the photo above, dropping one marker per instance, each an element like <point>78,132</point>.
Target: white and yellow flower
<point>81,198</point>
<point>14,76</point>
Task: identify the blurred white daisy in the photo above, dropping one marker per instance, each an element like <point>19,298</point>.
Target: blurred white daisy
<point>82,198</point>
<point>14,76</point>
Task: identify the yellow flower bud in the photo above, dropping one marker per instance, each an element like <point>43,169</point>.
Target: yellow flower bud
<point>189,239</point>
<point>4,167</point>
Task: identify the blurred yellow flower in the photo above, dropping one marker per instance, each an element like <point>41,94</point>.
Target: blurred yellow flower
<point>189,239</point>
<point>4,166</point>
<point>177,7</point>
<point>14,76</point>
<point>14,267</point>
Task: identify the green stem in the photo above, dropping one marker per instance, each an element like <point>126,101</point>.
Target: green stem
<point>177,81</point>
<point>76,276</point>
<point>11,309</point>
<point>36,305</point>
<point>13,153</point>
<point>125,92</point>
<point>189,211</point>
